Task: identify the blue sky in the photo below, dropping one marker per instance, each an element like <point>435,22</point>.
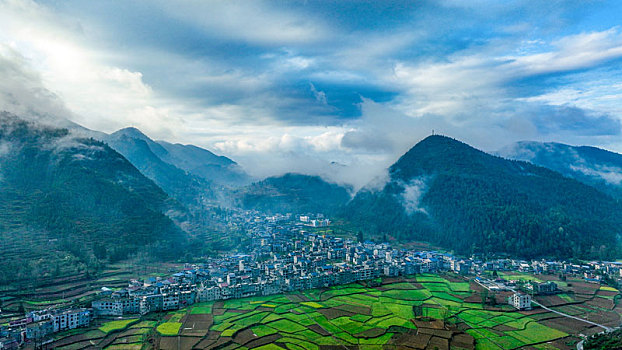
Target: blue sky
<point>302,86</point>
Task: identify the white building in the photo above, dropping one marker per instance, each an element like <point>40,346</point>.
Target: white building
<point>520,301</point>
<point>70,319</point>
<point>116,306</point>
<point>170,301</point>
<point>209,294</point>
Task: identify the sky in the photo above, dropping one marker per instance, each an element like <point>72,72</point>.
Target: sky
<point>333,88</point>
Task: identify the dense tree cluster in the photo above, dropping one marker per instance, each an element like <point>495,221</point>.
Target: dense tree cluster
<point>604,341</point>
<point>294,193</point>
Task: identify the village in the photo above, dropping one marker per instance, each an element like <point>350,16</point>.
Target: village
<point>286,256</point>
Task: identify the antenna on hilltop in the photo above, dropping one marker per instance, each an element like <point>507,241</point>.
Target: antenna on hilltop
<point>432,132</point>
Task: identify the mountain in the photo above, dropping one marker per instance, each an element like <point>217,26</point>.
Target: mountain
<point>293,193</point>
<point>74,203</point>
<point>141,152</point>
<point>449,193</point>
<point>194,160</point>
<point>591,165</point>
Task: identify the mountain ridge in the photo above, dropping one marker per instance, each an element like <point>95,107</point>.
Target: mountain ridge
<point>593,166</point>
<point>194,160</point>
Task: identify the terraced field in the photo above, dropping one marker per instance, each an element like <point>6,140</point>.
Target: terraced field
<point>422,312</point>
<point>77,289</point>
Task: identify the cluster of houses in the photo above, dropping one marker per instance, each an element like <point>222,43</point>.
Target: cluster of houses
<point>284,257</point>
<point>318,261</point>
<point>38,325</point>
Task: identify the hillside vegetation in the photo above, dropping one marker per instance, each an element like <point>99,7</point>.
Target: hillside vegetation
<point>593,166</point>
<point>293,193</point>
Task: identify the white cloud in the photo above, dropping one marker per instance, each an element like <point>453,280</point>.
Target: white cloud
<point>100,96</point>
<point>22,91</point>
<point>612,175</point>
<point>411,197</point>
<point>477,81</point>
<point>62,70</point>
<point>320,96</point>
<point>572,52</point>
<point>602,94</point>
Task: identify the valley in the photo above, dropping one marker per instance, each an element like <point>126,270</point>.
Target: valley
<point>310,175</point>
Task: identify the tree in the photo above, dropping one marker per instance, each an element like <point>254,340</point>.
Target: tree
<point>359,236</point>
<point>493,299</point>
<point>484,295</point>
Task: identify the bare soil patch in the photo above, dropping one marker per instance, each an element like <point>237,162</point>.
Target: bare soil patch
<point>371,333</point>
<point>413,341</point>
<point>319,330</point>
<point>244,337</point>
<point>438,343</point>
<point>332,313</point>
<point>197,324</point>
<point>566,324</point>
<point>263,341</point>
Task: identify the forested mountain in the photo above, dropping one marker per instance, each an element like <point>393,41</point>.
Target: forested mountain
<point>197,162</point>
<point>591,165</point>
<point>293,193</point>
<point>452,194</point>
<point>74,202</point>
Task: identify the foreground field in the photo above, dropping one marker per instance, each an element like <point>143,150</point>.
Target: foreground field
<point>421,312</point>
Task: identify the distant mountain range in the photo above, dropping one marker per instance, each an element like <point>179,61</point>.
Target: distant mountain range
<point>591,165</point>
<point>192,159</point>
<point>451,194</point>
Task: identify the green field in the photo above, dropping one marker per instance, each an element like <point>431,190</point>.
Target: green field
<point>169,328</point>
<point>439,310</point>
<point>116,325</point>
<point>366,317</point>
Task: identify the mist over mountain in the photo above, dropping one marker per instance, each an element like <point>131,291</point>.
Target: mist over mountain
<point>70,199</point>
<point>594,166</point>
<point>449,193</point>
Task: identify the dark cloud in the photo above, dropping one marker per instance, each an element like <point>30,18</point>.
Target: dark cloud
<point>263,79</point>
<point>577,121</point>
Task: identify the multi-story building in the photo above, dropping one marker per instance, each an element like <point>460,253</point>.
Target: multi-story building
<point>70,319</point>
<point>520,301</point>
